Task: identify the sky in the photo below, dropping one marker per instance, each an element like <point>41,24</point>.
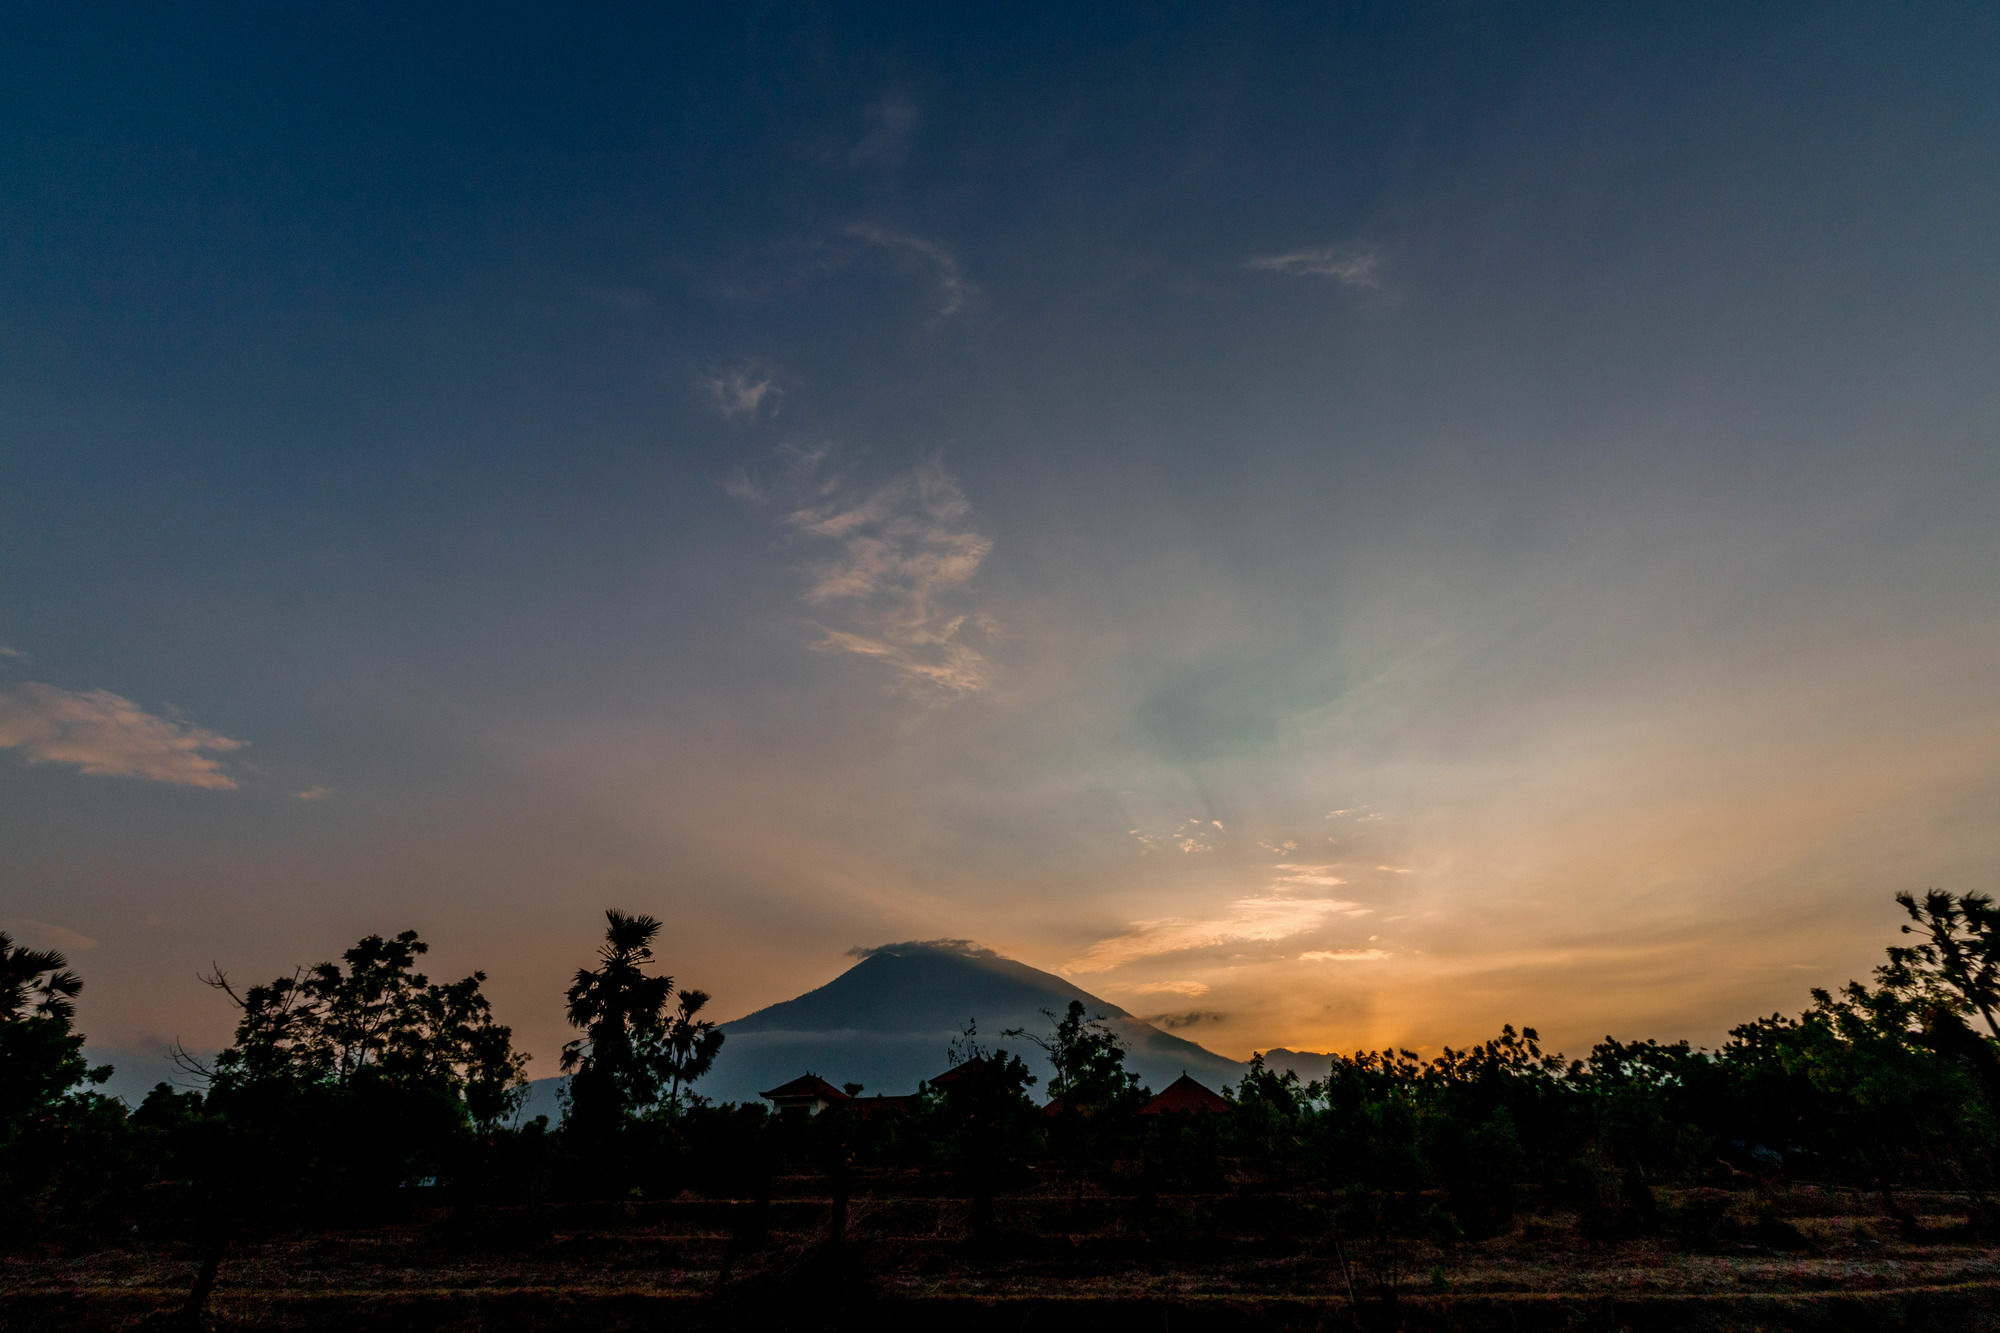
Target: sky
<point>1329,526</point>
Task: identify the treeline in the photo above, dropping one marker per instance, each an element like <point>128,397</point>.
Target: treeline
<point>360,1089</point>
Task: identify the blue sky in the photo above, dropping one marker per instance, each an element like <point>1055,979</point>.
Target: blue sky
<point>1345,524</point>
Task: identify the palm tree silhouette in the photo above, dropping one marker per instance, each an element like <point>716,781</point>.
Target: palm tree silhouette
<point>35,983</point>
<point>615,1005</point>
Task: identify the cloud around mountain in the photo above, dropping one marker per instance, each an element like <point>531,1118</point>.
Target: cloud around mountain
<point>963,948</point>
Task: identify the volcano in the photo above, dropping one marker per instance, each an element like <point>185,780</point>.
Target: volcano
<point>887,1022</point>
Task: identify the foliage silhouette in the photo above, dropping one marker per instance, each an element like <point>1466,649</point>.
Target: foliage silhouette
<point>983,1122</point>
<point>621,1012</point>
<point>1957,964</point>
<point>686,1049</point>
<point>345,1084</point>
<point>50,1123</point>
<point>354,1089</point>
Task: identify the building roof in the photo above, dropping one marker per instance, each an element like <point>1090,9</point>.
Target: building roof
<point>878,1105</point>
<point>1184,1095</point>
<point>961,1070</point>
<point>1062,1106</point>
<point>806,1085</point>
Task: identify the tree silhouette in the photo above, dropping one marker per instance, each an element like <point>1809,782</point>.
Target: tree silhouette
<point>686,1049</point>
<point>1088,1059</point>
<point>42,1076</point>
<point>375,1023</point>
<point>35,983</point>
<point>1958,961</point>
<point>41,1059</point>
<point>1091,1092</point>
<point>345,1082</point>
<point>626,1049</point>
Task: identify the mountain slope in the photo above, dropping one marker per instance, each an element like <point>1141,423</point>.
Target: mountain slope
<point>895,985</point>
<point>887,1021</point>
<point>1308,1065</point>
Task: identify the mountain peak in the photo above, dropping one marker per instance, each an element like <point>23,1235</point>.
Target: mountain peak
<point>889,1021</point>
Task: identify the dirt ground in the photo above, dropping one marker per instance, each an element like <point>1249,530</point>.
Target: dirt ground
<point>1800,1257</point>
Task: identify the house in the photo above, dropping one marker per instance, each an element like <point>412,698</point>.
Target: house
<point>1058,1108</point>
<point>965,1069</point>
<point>808,1092</point>
<point>1184,1096</point>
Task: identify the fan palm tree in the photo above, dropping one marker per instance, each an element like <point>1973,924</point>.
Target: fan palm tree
<point>615,1004</point>
<point>35,983</point>
<point>688,1048</point>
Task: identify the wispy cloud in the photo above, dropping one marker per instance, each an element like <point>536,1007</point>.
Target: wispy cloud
<point>16,653</point>
<point>1295,876</point>
<point>1349,267</point>
<point>743,396</point>
<point>892,122</point>
<point>46,934</point>
<point>1174,1022</point>
<point>892,584</point>
<point>107,735</point>
<point>953,288</point>
<point>1190,836</point>
<point>1343,955</point>
<point>1191,989</point>
<point>1260,918</point>
<point>901,554</point>
<point>313,794</point>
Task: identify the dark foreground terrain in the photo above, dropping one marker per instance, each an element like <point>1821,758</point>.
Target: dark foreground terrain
<point>1777,1257</point>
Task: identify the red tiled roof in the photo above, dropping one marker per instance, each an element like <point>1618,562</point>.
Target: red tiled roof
<point>807,1085</point>
<point>1184,1094</point>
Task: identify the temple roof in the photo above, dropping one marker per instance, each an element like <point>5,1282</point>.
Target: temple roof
<point>1184,1094</point>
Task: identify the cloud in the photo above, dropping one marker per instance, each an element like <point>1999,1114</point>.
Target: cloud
<point>1259,918</point>
<point>952,286</point>
<point>5,651</point>
<point>46,935</point>
<point>1350,268</point>
<point>898,556</point>
<point>1343,955</point>
<point>1190,836</point>
<point>743,396</point>
<point>1191,989</point>
<point>892,122</point>
<point>313,794</point>
<point>1172,1022</point>
<point>1294,876</point>
<point>962,948</point>
<point>740,485</point>
<point>106,735</point>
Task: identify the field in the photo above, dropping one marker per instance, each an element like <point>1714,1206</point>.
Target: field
<point>1795,1256</point>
